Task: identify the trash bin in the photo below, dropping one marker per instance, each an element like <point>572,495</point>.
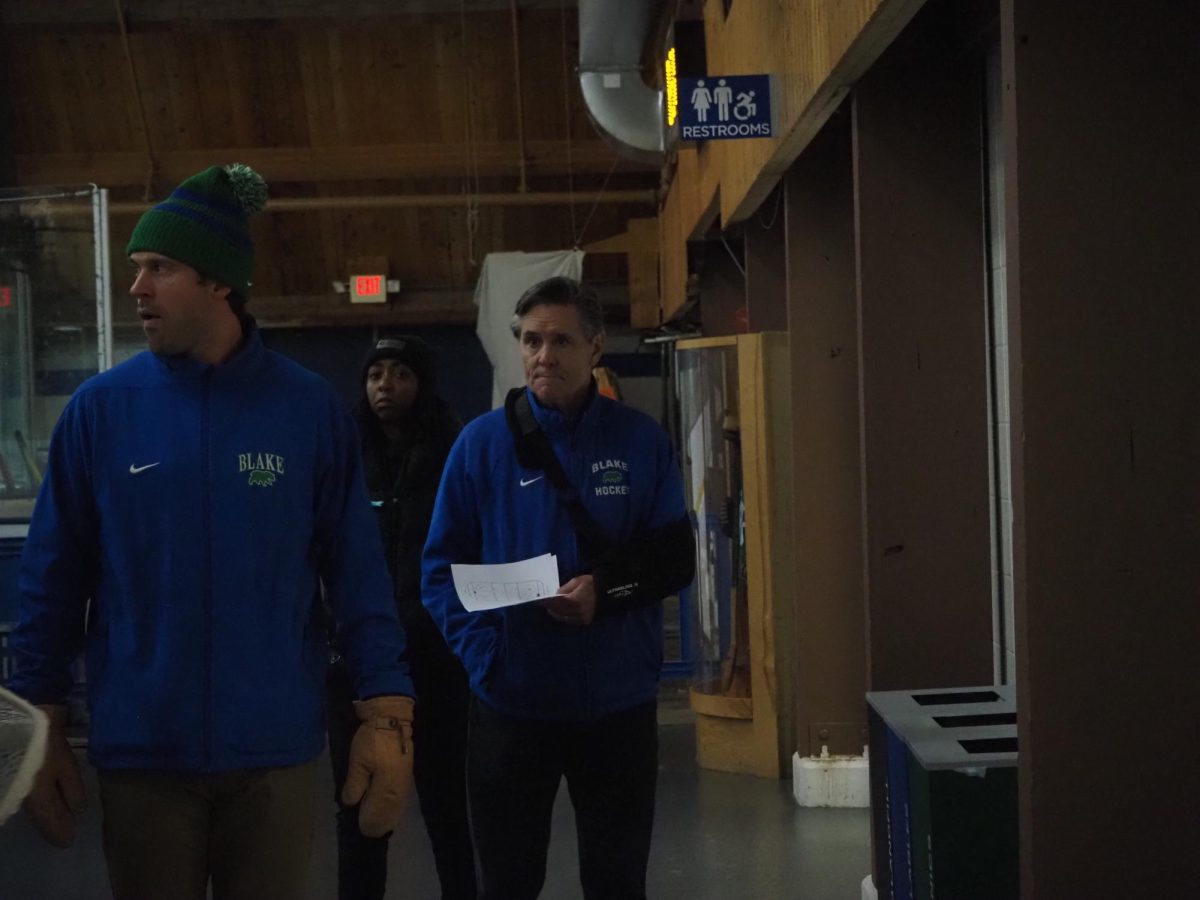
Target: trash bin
<point>962,790</point>
<point>903,797</point>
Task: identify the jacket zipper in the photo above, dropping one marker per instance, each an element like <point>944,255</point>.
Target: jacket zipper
<point>206,526</point>
<point>584,656</point>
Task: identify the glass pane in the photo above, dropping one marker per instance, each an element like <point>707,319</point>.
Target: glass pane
<point>48,330</point>
<point>713,477</point>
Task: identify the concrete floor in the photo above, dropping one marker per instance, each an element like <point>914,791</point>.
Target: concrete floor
<point>716,836</point>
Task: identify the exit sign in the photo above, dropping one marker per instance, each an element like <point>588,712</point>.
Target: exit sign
<point>368,288</point>
<point>5,296</point>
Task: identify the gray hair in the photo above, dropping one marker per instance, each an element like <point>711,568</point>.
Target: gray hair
<point>562,291</point>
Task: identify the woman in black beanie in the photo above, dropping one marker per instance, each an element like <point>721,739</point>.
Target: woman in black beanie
<point>407,431</point>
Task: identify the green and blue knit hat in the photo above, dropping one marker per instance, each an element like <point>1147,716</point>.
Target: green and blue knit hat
<point>204,223</point>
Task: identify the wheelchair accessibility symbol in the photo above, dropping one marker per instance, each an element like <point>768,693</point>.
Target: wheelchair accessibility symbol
<point>745,108</point>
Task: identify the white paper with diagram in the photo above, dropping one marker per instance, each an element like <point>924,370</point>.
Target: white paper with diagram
<point>495,586</point>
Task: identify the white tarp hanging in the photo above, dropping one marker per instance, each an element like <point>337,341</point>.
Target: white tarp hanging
<point>503,278</point>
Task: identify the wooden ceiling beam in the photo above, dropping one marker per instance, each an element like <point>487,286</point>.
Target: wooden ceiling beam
<point>421,307</point>
<point>71,12</point>
<point>318,164</point>
<point>421,201</point>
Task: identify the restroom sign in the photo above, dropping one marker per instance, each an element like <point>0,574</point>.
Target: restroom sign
<point>725,107</point>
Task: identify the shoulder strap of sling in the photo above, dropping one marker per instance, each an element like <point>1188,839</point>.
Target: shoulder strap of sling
<point>534,451</point>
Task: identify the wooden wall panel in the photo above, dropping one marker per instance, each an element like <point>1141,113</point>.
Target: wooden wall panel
<point>72,96</point>
<point>361,105</point>
<point>830,636</point>
<point>751,730</point>
<point>722,288</point>
<point>688,212</point>
<point>922,355</point>
<point>542,79</point>
<point>1101,214</point>
<point>697,195</point>
<point>644,307</point>
<point>546,159</point>
<point>766,269</point>
<point>316,77</point>
<point>302,253</point>
<point>766,437</point>
<point>816,50</point>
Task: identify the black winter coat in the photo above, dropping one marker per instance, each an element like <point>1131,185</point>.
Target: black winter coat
<point>402,481</point>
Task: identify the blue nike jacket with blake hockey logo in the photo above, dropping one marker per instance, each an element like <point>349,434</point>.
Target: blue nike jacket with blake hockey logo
<point>200,507</point>
<point>491,510</point>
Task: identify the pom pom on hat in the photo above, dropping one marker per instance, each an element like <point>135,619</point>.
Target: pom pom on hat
<point>248,186</point>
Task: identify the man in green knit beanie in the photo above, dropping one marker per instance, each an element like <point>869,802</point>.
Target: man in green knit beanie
<point>203,225</point>
<point>196,500</point>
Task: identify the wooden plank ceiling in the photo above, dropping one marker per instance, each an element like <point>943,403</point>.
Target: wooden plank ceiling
<point>387,120</point>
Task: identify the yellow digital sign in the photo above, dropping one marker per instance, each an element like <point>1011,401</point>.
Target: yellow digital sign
<point>672,84</point>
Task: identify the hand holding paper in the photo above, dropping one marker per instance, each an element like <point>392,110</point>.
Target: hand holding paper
<point>575,603</point>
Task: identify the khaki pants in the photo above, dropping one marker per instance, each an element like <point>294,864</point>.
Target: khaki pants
<point>167,833</point>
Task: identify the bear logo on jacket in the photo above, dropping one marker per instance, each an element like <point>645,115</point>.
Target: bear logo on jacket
<point>264,468</point>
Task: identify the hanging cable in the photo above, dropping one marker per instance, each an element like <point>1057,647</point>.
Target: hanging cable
<point>562,16</point>
<point>520,112</point>
<point>471,183</point>
<point>151,161</point>
<point>737,262</point>
<point>767,226</point>
<point>596,202</point>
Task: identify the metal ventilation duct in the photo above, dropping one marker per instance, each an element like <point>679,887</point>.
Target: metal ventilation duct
<point>628,113</point>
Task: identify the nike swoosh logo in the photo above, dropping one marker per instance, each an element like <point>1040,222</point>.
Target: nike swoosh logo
<point>133,470</point>
<point>525,483</point>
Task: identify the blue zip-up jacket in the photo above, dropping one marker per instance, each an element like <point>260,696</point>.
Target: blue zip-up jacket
<point>491,510</point>
<point>198,506</point>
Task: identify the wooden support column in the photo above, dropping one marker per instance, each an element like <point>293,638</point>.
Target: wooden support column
<point>672,253</point>
<point>643,273</point>
<point>1102,224</point>
<point>826,498</point>
<point>923,358</point>
<point>639,243</point>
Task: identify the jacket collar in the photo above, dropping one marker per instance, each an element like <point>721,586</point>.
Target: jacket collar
<point>555,423</point>
<point>245,359</point>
